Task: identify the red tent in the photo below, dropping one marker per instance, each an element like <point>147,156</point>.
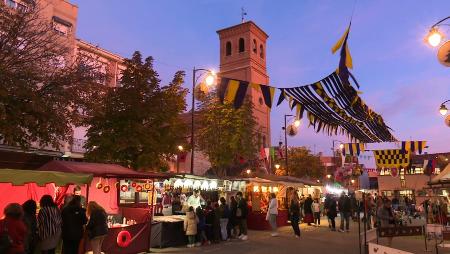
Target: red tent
<point>99,170</point>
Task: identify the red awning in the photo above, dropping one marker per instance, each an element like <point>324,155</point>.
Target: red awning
<point>100,169</point>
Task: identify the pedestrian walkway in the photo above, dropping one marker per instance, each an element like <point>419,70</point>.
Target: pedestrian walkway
<point>313,240</point>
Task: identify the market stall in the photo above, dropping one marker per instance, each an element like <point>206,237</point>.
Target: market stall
<point>31,184</point>
<point>171,199</point>
<point>125,194</point>
<point>258,190</point>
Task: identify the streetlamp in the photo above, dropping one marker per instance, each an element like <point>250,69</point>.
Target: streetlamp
<point>180,149</point>
<point>443,109</point>
<point>277,166</point>
<point>296,124</point>
<point>210,79</point>
<point>435,36</point>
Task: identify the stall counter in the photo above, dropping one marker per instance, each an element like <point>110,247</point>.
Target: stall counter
<point>257,220</point>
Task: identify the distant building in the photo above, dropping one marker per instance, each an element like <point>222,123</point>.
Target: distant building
<point>63,16</point>
<point>414,182</point>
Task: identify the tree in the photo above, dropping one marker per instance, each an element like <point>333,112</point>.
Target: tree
<point>43,85</point>
<point>138,123</point>
<point>302,163</point>
<point>226,135</point>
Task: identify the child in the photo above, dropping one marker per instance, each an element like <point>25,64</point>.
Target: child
<point>316,210</point>
<point>201,226</point>
<point>190,226</point>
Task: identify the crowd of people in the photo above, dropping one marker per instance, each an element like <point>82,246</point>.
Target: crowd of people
<point>208,224</point>
<point>27,229</point>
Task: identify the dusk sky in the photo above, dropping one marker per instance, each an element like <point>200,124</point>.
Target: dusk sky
<point>399,74</point>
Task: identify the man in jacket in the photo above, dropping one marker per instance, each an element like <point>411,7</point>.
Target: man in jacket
<point>345,211</point>
<point>241,215</point>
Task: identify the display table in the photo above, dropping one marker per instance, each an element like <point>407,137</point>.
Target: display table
<point>168,231</point>
<point>257,220</point>
<point>140,235</point>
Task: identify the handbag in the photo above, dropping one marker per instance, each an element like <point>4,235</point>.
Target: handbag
<point>5,240</point>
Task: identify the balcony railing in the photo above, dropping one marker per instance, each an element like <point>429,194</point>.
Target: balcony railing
<point>78,145</point>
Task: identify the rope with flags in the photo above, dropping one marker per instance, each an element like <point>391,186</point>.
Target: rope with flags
<point>331,104</point>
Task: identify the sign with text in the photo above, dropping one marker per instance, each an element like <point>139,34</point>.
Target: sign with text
<point>380,249</point>
<point>401,231</point>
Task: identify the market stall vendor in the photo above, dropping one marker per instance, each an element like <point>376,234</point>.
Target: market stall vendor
<point>195,200</point>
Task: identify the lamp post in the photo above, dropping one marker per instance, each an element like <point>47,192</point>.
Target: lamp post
<point>443,109</point>
<point>435,36</point>
<point>209,81</point>
<point>296,124</point>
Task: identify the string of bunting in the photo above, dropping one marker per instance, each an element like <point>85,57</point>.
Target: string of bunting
<point>331,104</point>
<point>353,149</point>
<point>391,158</point>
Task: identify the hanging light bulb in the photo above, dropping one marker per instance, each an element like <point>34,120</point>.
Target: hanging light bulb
<point>443,110</point>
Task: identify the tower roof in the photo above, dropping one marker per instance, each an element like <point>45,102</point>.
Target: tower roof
<point>245,24</point>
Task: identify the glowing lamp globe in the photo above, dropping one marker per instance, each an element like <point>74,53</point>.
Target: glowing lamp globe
<point>434,37</point>
<point>443,110</point>
<point>210,80</point>
<point>297,123</point>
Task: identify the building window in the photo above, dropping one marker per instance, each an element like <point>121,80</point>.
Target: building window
<point>254,46</point>
<point>241,45</point>
<point>264,141</point>
<point>261,51</point>
<point>228,49</point>
<point>61,26</point>
<point>10,3</point>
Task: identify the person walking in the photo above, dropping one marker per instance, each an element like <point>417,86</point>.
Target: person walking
<point>307,208</point>
<point>73,221</point>
<point>225,216</point>
<point>49,224</point>
<point>29,218</point>
<point>386,217</point>
<point>294,211</point>
<point>332,212</point>
<point>190,226</point>
<point>232,230</point>
<point>12,230</point>
<point>241,216</point>
<point>272,213</point>
<point>316,210</point>
<point>344,210</point>
<point>97,226</point>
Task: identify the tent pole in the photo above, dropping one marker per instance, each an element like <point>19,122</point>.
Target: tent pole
<point>87,194</point>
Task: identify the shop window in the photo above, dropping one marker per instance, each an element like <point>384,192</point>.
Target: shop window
<point>241,45</point>
<point>254,46</point>
<point>61,26</point>
<point>228,48</point>
<point>261,51</point>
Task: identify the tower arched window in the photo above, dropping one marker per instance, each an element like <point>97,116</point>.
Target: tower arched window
<point>228,48</point>
<point>254,46</point>
<point>241,45</point>
<point>261,51</point>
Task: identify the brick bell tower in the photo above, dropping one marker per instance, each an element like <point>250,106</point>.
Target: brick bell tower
<point>243,57</point>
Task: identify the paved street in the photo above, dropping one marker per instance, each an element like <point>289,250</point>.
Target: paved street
<point>313,240</point>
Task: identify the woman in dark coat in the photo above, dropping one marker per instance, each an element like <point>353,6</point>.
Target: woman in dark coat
<point>73,220</point>
<point>29,218</point>
<point>294,211</point>
<point>97,227</point>
<point>332,212</point>
<point>309,218</point>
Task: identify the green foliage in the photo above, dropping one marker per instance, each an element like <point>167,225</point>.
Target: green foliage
<point>138,124</point>
<point>302,163</point>
<point>225,134</point>
<point>43,86</point>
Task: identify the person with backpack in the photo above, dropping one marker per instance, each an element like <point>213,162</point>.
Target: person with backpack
<point>201,227</point>
<point>225,216</point>
<point>12,230</point>
<point>241,215</point>
<point>331,211</point>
